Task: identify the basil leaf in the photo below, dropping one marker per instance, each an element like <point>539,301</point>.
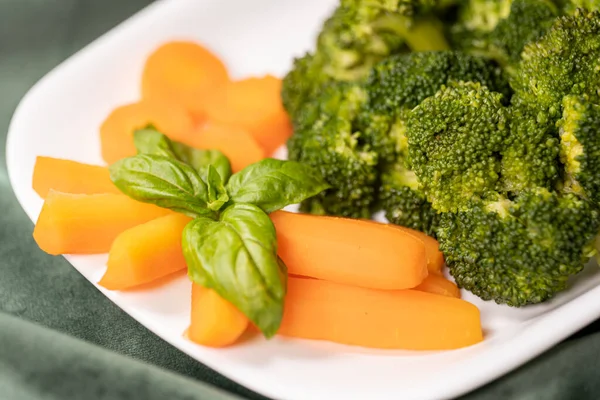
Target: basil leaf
<point>237,257</point>
<point>200,159</point>
<point>162,181</point>
<point>273,184</point>
<point>217,194</point>
<point>151,141</point>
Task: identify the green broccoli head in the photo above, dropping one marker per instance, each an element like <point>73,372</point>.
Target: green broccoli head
<point>579,131</point>
<point>475,20</point>
<point>566,60</point>
<point>326,139</point>
<point>403,202</point>
<point>570,6</point>
<point>401,82</point>
<point>301,83</point>
<point>519,252</point>
<point>454,141</point>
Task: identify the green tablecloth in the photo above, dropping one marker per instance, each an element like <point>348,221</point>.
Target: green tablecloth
<point>68,341</point>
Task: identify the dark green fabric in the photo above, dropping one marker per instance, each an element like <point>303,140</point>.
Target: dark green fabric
<point>36,364</point>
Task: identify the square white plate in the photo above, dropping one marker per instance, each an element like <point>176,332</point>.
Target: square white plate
<point>60,117</point>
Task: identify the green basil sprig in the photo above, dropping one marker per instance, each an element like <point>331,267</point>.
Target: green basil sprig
<point>231,244</point>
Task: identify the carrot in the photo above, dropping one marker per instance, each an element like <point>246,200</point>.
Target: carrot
<point>116,132</point>
<point>255,105</point>
<point>237,144</point>
<point>435,258</point>
<point>88,223</point>
<point>401,319</point>
<point>145,253</point>
<point>185,73</point>
<point>437,284</point>
<point>350,251</point>
<point>215,322</point>
<point>70,177</point>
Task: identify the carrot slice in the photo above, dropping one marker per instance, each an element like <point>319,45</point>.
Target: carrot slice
<point>437,284</point>
<point>185,73</point>
<point>145,253</point>
<point>350,251</point>
<point>70,177</point>
<point>116,132</point>
<point>402,319</point>
<point>237,144</point>
<point>255,105</point>
<point>88,223</point>
<point>215,322</point>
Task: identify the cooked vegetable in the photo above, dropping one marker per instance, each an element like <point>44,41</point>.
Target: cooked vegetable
<point>437,284</point>
<point>88,224</point>
<point>116,132</point>
<point>253,104</point>
<point>145,253</point>
<point>402,319</point>
<point>350,251</point>
<point>184,73</point>
<point>70,177</point>
<point>435,258</point>
<point>215,322</point>
<point>236,143</point>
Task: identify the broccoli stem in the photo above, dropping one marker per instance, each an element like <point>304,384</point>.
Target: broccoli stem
<point>422,34</point>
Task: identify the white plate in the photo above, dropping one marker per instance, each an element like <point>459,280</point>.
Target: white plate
<point>60,117</point>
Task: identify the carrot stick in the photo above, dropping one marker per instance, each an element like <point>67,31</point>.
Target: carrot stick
<point>437,284</point>
<point>403,319</point>
<point>435,258</point>
<point>145,253</point>
<point>215,322</point>
<point>237,144</point>
<point>255,105</point>
<point>70,177</point>
<point>350,251</point>
<point>116,132</point>
<point>88,223</point>
<point>185,73</point>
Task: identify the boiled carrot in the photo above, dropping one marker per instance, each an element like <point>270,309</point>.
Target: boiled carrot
<point>70,177</point>
<point>402,319</point>
<point>435,258</point>
<point>437,284</point>
<point>145,253</point>
<point>215,322</point>
<point>349,251</point>
<point>88,223</point>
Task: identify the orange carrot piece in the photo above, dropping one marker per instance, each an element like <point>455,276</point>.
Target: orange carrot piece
<point>185,73</point>
<point>435,258</point>
<point>145,253</point>
<point>255,105</point>
<point>70,177</point>
<point>215,322</point>
<point>401,319</point>
<point>116,132</point>
<point>237,144</point>
<point>349,251</point>
<point>437,284</point>
<point>88,223</point>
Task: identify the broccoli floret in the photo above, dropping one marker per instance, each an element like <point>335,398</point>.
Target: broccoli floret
<point>566,60</point>
<point>519,252</point>
<point>525,21</point>
<point>399,83</point>
<point>359,34</point>
<point>454,141</point>
<point>476,19</point>
<point>580,147</point>
<point>325,138</point>
<point>570,6</point>
<point>403,202</point>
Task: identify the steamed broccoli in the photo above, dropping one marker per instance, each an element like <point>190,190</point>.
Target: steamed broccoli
<point>454,141</point>
<point>570,6</point>
<point>519,252</point>
<point>326,139</point>
<point>580,147</point>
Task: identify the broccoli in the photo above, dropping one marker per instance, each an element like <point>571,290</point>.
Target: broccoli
<point>566,60</point>
<point>570,6</point>
<point>525,22</point>
<point>403,202</point>
<point>359,34</point>
<point>325,138</point>
<point>519,252</point>
<point>580,147</point>
<point>454,141</point>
